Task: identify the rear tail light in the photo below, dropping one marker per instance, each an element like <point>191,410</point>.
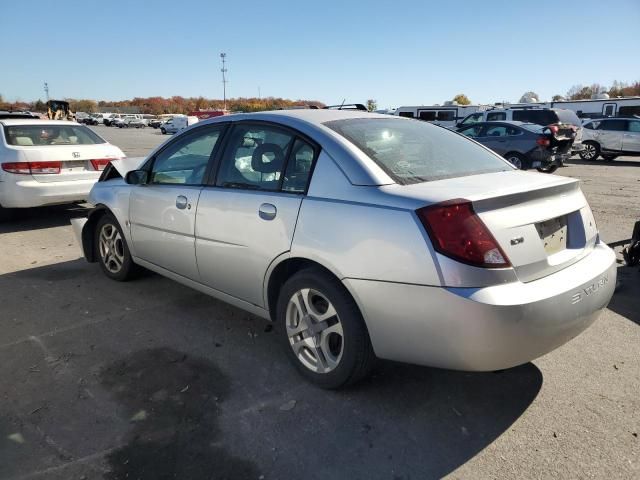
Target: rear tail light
<point>29,168</point>
<point>543,141</point>
<point>100,163</point>
<point>457,232</point>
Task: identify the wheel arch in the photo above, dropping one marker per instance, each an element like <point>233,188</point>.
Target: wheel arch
<point>280,271</point>
<point>89,230</point>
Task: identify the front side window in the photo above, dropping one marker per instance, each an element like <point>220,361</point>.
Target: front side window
<point>496,116</point>
<point>413,152</point>
<point>254,158</point>
<point>40,135</point>
<point>185,161</point>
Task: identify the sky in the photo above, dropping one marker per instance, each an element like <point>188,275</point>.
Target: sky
<point>397,52</point>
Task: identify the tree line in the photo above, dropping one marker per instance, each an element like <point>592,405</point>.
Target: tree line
<point>161,105</point>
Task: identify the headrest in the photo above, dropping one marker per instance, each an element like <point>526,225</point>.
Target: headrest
<point>273,155</point>
<point>24,141</point>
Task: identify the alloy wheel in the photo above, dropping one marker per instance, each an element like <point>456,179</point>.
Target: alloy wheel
<point>515,161</point>
<point>589,152</point>
<point>314,330</point>
<point>111,247</point>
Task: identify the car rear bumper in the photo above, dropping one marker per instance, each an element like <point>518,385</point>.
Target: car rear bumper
<point>484,329</point>
<point>27,192</point>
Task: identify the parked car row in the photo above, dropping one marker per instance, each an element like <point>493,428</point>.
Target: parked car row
<point>610,137</point>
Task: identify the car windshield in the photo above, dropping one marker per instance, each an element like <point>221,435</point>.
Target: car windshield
<point>34,135</point>
<point>411,151</point>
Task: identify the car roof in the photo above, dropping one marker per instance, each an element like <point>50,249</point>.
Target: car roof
<point>310,115</point>
<point>26,121</point>
<point>610,118</point>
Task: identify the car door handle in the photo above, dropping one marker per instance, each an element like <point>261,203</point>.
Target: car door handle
<point>267,211</point>
<point>182,202</point>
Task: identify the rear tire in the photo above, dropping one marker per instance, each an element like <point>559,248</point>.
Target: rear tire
<point>163,131</point>
<point>590,152</point>
<point>517,160</point>
<point>112,250</point>
<point>322,330</point>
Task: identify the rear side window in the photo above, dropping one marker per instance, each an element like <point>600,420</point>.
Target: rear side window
<point>41,135</point>
<point>541,117</point>
<point>414,152</point>
<point>496,116</point>
<point>255,158</point>
<point>613,125</point>
<point>473,131</point>
<point>634,126</point>
<point>406,114</point>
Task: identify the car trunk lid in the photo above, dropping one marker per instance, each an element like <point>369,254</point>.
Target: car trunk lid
<point>541,222</point>
<point>75,161</point>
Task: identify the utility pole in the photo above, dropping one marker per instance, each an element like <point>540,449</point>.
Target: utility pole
<point>259,96</point>
<point>46,90</point>
<point>223,56</point>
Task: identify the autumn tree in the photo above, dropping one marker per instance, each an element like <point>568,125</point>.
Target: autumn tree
<point>462,99</point>
<point>372,105</point>
<point>557,98</point>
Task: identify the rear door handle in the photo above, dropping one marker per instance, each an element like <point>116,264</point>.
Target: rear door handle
<point>267,211</point>
<point>182,202</point>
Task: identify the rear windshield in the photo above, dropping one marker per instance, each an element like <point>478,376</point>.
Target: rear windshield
<point>411,151</point>
<point>567,116</point>
<point>30,135</point>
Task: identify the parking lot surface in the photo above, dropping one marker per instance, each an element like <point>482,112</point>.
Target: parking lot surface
<point>152,380</point>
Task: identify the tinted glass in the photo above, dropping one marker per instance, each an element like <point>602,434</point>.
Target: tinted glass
<point>613,125</point>
<point>427,116</point>
<point>296,176</point>
<point>28,135</point>
<point>634,126</point>
<point>254,158</point>
<point>608,110</point>
<point>406,114</point>
<point>185,161</point>
<point>413,152</point>
<point>590,126</point>
<point>629,110</point>
<point>541,117</point>
<point>446,115</point>
<point>493,116</point>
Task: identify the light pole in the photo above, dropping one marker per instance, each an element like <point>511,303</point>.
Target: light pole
<point>46,90</point>
<point>223,56</point>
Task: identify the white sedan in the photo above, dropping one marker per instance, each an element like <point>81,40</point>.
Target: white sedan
<point>45,162</point>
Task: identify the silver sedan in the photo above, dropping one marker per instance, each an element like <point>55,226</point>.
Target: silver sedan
<point>361,236</point>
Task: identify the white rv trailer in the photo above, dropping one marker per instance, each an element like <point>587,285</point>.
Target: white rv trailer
<point>446,115</point>
<point>602,107</point>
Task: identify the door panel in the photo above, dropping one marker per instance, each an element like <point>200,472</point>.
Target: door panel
<point>163,211</point>
<point>495,137</point>
<point>238,236</point>
<point>631,138</point>
<point>162,233</point>
<point>610,133</point>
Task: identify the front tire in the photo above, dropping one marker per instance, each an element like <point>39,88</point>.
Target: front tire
<point>323,331</point>
<point>590,152</point>
<point>549,169</point>
<point>163,131</point>
<point>112,250</point>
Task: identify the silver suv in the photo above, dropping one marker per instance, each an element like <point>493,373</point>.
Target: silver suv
<point>611,137</point>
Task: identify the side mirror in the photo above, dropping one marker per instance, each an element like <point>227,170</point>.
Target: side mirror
<point>136,177</point>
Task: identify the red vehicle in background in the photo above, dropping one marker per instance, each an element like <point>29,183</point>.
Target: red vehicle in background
<point>204,114</point>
